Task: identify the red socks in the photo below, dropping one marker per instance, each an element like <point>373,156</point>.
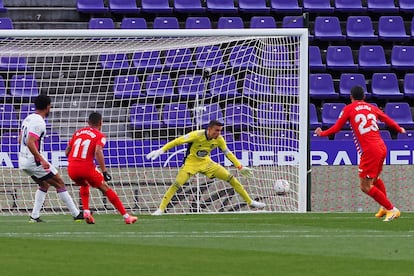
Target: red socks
<point>380,185</point>
<point>380,197</point>
<point>84,195</point>
<point>114,199</point>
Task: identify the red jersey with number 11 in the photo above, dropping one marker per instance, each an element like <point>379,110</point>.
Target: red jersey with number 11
<point>363,118</point>
<point>83,144</point>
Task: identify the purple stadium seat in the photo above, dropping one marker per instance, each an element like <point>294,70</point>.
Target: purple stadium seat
<point>392,28</point>
<point>8,117</point>
<point>330,113</point>
<point>207,113</point>
<point>291,21</point>
<point>317,6</point>
<point>349,6</point>
<point>124,6</point>
<point>3,93</point>
<point>255,85</point>
<point>406,6</point>
<point>6,23</point>
<point>144,116</point>
<point>360,28</point>
<point>321,87</point>
<point>409,85</point>
<point>156,6</point>
<point>385,86</point>
<point>313,117</point>
<point>340,58</point>
<point>372,57</point>
<point>253,6</point>
<point>287,85</point>
<point>166,23</point>
<point>114,61</point>
<point>26,110</point>
<point>198,23</point>
<point>176,115</point>
<point>277,56</point>
<point>382,6</point>
<point>401,113</point>
<point>242,57</point>
<point>190,86</point>
<point>24,86</point>
<point>408,135</point>
<point>91,6</point>
<point>178,59</point>
<point>159,86</point>
<point>285,6</point>
<point>262,22</point>
<point>144,61</point>
<point>133,23</point>
<point>126,87</point>
<point>2,7</point>
<point>101,23</point>
<point>223,86</point>
<point>349,80</point>
<point>328,28</point>
<point>239,116</point>
<point>402,57</point>
<point>344,135</point>
<point>13,63</point>
<point>230,22</point>
<point>188,6</point>
<point>315,59</point>
<point>272,114</point>
<point>221,6</point>
<point>209,57</point>
<point>314,137</point>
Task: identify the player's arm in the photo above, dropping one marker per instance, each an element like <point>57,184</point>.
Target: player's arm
<point>100,159</point>
<point>31,143</point>
<point>68,149</point>
<point>246,171</point>
<point>188,138</point>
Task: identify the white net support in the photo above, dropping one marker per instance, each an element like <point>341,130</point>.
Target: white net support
<point>152,87</point>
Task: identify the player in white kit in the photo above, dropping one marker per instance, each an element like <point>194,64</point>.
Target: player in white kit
<point>32,162</point>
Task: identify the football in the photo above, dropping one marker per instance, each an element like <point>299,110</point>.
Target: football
<point>281,186</point>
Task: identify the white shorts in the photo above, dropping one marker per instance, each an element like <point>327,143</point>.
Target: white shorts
<point>35,170</point>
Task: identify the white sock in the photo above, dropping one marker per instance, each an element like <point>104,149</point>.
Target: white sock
<point>67,199</point>
<point>40,197</point>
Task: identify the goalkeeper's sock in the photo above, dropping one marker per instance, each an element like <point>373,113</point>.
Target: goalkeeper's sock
<point>238,187</point>
<point>114,199</point>
<point>167,196</point>
<point>67,199</point>
<point>40,197</point>
<point>380,185</point>
<point>379,197</point>
<point>84,195</point>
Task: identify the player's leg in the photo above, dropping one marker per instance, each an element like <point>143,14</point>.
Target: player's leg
<point>40,197</point>
<point>380,185</point>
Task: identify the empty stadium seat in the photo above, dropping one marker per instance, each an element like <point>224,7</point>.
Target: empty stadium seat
<point>156,6</point>
<point>114,61</point>
<point>101,23</point>
<point>6,23</point>
<point>401,113</point>
<point>133,23</point>
<point>313,117</point>
<point>208,112</point>
<point>314,137</point>
<point>272,114</point>
<point>176,115</point>
<point>2,7</point>
<point>159,86</point>
<point>91,6</point>
<point>13,63</point>
<point>255,85</point>
<point>209,57</point>
<point>239,116</point>
<point>321,87</point>
<point>385,86</point>
<point>166,23</point>
<point>408,135</point>
<point>8,117</point>
<point>382,6</point>
<point>232,22</point>
<point>126,87</point>
<point>190,86</point>
<point>262,22</point>
<point>253,6</point>
<point>349,6</point>
<point>147,61</point>
<point>392,28</point>
<point>286,85</point>
<point>317,6</point>
<point>276,56</point>
<point>360,28</point>
<point>328,28</point>
<point>372,57</point>
<point>242,57</point>
<point>292,21</point>
<point>406,6</point>
<point>24,86</point>
<point>188,6</point>
<point>223,86</point>
<point>124,6</point>
<point>385,134</point>
<point>285,6</point>
<point>144,116</point>
<point>340,58</point>
<point>3,93</point>
<point>330,114</point>
<point>178,59</point>
<point>409,85</point>
<point>221,6</point>
<point>349,80</point>
<point>197,23</point>
<point>315,59</point>
<point>402,57</point>
<point>344,135</point>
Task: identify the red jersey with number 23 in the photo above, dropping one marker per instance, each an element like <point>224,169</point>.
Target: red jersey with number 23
<point>363,118</point>
<point>83,144</point>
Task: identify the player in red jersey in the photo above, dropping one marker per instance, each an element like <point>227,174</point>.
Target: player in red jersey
<point>86,145</point>
<point>363,118</point>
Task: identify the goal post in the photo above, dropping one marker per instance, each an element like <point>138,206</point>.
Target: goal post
<point>152,86</point>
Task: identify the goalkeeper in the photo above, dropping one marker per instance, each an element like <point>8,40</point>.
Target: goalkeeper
<point>201,143</point>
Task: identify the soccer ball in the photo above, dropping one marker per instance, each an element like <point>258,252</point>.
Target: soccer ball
<point>281,186</point>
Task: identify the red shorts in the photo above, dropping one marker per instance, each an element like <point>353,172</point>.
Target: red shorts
<point>84,176</point>
<point>372,161</point>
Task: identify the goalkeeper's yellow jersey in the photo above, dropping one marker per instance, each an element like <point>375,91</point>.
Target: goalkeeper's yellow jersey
<point>199,147</point>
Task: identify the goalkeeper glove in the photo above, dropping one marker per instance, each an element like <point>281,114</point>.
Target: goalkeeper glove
<point>154,154</point>
<point>107,176</point>
<point>246,171</point>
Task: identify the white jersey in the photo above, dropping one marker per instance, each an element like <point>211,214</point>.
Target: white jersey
<point>33,125</point>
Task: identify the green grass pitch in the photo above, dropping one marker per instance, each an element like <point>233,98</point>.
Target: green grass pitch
<point>228,244</point>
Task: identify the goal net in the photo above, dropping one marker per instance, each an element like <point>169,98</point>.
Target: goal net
<point>152,86</point>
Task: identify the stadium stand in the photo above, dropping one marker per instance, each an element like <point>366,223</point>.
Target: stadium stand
<point>198,23</point>
<point>188,6</point>
<point>349,6</point>
<point>133,23</point>
<point>124,6</point>
<point>372,57</point>
<point>285,6</point>
<point>91,6</point>
<point>262,22</point>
